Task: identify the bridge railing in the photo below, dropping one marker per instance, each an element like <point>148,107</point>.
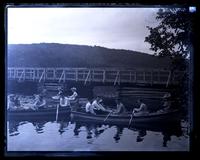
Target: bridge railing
<point>115,76</point>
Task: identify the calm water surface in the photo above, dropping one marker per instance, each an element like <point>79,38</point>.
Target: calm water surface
<point>65,135</point>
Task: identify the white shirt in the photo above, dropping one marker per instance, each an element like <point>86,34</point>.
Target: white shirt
<point>97,106</point>
<point>87,106</point>
<point>64,102</point>
<point>73,96</point>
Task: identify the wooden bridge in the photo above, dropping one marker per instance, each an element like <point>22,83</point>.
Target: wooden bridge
<point>87,75</point>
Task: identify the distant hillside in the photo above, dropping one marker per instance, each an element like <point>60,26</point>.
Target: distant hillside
<point>65,55</point>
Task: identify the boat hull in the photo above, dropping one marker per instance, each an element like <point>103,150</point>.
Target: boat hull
<point>125,119</point>
<point>38,113</point>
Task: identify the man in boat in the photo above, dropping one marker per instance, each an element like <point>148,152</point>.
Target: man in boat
<point>89,107</point>
<point>120,107</point>
<point>142,110</point>
<point>98,107</point>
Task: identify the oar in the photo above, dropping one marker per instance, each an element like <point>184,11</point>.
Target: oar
<point>57,112</point>
<point>107,116</point>
<point>131,118</point>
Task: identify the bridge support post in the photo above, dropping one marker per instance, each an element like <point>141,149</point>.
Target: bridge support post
<point>117,79</point>
<point>22,76</point>
<point>88,75</point>
<point>104,76</point>
<point>42,76</point>
<point>62,77</point>
<point>168,80</point>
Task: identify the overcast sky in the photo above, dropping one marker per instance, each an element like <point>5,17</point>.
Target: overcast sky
<point>120,28</point>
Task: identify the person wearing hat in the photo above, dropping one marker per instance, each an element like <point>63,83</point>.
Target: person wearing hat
<point>74,94</point>
<point>166,101</point>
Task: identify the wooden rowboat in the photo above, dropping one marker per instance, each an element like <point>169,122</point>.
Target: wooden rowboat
<point>125,119</point>
<point>51,111</point>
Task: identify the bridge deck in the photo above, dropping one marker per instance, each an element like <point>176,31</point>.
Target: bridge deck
<point>85,75</point>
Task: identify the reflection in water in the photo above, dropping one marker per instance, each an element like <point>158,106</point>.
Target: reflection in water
<point>39,126</point>
<point>177,131</point>
<point>63,126</point>
<point>91,132</point>
<point>118,133</point>
<point>141,134</point>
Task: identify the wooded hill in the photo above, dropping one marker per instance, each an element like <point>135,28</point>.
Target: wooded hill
<point>67,55</point>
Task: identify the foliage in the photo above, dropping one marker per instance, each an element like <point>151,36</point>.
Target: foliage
<point>171,36</point>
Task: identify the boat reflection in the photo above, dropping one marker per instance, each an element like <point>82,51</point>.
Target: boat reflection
<point>95,130</point>
<point>118,133</point>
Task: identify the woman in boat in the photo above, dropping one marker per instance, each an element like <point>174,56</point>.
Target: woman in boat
<point>74,99</point>
<point>74,95</point>
<point>64,101</point>
<point>98,107</point>
<point>120,107</point>
<point>89,107</point>
<point>142,110</point>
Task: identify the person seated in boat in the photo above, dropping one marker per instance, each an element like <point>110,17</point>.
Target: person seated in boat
<point>60,91</point>
<point>120,107</point>
<point>166,103</point>
<point>64,102</point>
<point>13,102</point>
<point>74,95</point>
<point>98,107</point>
<point>89,107</point>
<point>40,102</point>
<point>142,110</point>
<point>44,92</point>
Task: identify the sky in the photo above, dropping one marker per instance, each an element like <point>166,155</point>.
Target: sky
<point>119,28</point>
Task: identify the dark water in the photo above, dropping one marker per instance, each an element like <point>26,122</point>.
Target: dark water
<point>45,134</point>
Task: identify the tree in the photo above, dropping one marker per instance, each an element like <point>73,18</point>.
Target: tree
<point>171,36</point>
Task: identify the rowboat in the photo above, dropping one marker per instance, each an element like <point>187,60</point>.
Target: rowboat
<point>49,111</point>
<point>125,119</point>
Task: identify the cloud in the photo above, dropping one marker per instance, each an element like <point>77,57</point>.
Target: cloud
<point>122,28</point>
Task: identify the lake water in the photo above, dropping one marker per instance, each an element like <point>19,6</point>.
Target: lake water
<point>47,134</point>
<point>65,135</point>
